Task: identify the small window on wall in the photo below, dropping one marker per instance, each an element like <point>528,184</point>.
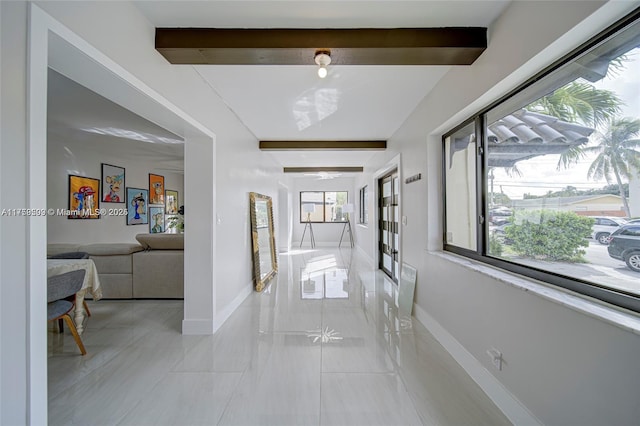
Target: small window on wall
<point>363,203</point>
<point>323,206</point>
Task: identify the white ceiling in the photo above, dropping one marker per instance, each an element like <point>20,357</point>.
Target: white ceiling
<point>287,102</point>
<point>78,117</point>
<point>291,102</point>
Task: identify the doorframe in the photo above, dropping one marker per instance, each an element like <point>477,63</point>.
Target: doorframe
<point>394,163</point>
<point>40,26</point>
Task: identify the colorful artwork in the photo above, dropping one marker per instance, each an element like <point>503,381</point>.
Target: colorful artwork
<point>156,225</point>
<point>137,206</point>
<point>112,183</point>
<point>156,189</point>
<point>171,201</point>
<point>84,201</point>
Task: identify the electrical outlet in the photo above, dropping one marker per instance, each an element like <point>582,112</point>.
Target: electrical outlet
<point>496,358</point>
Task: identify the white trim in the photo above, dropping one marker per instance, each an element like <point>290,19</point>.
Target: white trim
<point>36,138</point>
<point>512,408</point>
<point>365,256</point>
<point>40,25</point>
<point>231,307</point>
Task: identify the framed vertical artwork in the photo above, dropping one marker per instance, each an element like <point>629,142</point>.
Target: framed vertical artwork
<point>112,183</point>
<point>137,201</point>
<point>156,224</point>
<point>156,189</point>
<point>84,198</point>
<point>171,202</point>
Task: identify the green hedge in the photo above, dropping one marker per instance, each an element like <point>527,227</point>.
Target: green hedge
<point>550,235</point>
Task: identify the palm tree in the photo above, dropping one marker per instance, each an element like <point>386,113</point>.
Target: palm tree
<point>618,154</point>
<point>578,102</point>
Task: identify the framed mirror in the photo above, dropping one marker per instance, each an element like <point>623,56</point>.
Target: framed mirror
<point>265,262</point>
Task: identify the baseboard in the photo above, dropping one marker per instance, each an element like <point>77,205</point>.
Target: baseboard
<point>223,315</point>
<point>197,327</point>
<point>512,408</point>
<point>365,256</point>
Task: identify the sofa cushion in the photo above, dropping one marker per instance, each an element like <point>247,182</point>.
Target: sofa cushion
<point>111,249</point>
<point>115,264</point>
<point>161,241</point>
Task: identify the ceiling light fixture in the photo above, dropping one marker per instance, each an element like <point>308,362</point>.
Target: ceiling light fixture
<point>323,58</point>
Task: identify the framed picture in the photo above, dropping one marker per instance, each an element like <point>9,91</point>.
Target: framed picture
<point>137,201</point>
<point>156,189</point>
<point>112,183</point>
<point>84,198</point>
<point>156,224</point>
<point>171,202</point>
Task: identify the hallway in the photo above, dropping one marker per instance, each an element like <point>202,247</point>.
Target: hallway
<point>322,344</point>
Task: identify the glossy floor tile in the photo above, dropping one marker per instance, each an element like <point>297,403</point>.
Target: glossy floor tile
<point>322,345</point>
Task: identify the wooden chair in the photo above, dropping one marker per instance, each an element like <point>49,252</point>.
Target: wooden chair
<point>58,288</point>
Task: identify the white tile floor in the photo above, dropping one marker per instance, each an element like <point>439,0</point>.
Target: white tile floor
<point>323,344</point>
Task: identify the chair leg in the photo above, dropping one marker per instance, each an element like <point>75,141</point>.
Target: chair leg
<point>76,336</point>
<point>60,327</point>
<point>86,308</point>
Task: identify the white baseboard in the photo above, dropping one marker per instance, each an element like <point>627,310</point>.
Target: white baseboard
<point>223,315</point>
<point>197,327</point>
<point>512,408</point>
<point>365,256</point>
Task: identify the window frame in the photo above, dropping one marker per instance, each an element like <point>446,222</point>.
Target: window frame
<point>619,298</point>
<point>324,207</point>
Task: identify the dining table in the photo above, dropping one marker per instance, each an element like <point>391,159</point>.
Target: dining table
<point>91,283</point>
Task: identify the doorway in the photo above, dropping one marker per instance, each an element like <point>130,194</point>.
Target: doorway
<point>388,240</point>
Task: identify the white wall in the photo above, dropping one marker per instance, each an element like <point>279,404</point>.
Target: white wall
<point>84,157</point>
<point>239,166</point>
<point>241,169</point>
<point>324,233</point>
<point>123,35</point>
<point>564,366</point>
<point>634,196</point>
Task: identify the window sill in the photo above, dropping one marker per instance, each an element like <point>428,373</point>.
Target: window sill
<point>595,309</point>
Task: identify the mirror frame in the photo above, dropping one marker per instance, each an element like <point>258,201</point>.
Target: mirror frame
<point>260,283</point>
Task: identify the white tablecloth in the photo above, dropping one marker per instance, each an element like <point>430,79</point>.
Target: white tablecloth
<point>91,282</point>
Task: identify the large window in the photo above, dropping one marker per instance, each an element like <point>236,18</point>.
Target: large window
<point>323,206</point>
<point>540,182</point>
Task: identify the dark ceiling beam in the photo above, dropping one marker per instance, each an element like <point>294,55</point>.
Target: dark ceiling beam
<point>323,169</point>
<point>356,46</point>
<point>323,145</point>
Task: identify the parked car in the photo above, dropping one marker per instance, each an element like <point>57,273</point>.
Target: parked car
<point>604,227</point>
<point>624,245</point>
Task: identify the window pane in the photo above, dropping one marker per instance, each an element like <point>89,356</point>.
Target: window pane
<point>333,207</point>
<point>560,166</point>
<point>308,201</point>
<point>460,176</point>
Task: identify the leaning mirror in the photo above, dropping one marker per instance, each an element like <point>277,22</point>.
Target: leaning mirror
<point>265,264</point>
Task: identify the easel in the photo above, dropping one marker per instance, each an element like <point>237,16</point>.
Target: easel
<point>347,227</point>
<point>308,225</point>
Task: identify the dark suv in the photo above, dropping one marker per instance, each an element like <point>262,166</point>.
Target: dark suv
<point>624,244</point>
